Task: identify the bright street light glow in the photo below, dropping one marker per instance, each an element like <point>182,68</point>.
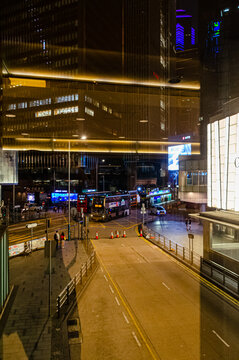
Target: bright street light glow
<point>10,115</point>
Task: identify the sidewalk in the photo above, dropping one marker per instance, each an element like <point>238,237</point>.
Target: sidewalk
<point>176,231</point>
<point>28,331</point>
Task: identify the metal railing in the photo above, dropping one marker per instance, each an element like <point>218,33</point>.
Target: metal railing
<point>181,252</point>
<point>64,297</point>
<point>217,274</point>
<point>221,275</point>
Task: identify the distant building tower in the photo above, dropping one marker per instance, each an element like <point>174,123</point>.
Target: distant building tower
<point>185,31</point>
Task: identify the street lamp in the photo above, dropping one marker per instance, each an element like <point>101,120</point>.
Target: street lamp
<point>69,191</point>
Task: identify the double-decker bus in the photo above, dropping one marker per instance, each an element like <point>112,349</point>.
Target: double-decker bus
<point>84,201</point>
<point>133,198</point>
<point>107,207</point>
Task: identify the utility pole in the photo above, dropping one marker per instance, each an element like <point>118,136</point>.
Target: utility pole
<point>69,191</point>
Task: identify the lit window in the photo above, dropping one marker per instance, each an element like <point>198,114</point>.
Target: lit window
<point>12,107</point>
<point>43,113</point>
<point>22,105</point>
<point>96,103</point>
<point>40,102</point>
<point>67,110</point>
<point>88,99</point>
<point>89,111</point>
<point>66,98</point>
<point>162,60</point>
<point>162,40</point>
<point>104,108</point>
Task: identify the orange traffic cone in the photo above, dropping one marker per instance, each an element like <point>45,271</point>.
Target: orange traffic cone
<point>117,234</point>
<point>96,236</point>
<point>124,234</point>
<point>141,233</point>
<point>112,235</point>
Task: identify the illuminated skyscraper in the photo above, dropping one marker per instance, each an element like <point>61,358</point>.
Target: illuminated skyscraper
<point>104,72</point>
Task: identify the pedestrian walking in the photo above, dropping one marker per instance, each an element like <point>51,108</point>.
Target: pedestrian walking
<point>62,240</point>
<point>186,223</point>
<point>189,224</point>
<point>56,238</point>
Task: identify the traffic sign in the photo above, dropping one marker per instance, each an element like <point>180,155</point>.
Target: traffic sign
<point>143,210</point>
<point>31,225</point>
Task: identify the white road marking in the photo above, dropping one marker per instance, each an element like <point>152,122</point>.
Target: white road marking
<point>105,278</point>
<point>219,337</point>
<point>101,269</point>
<point>142,256</point>
<point>136,339</point>
<point>111,289</point>
<point>125,317</point>
<point>166,286</point>
<point>123,245</point>
<point>116,299</point>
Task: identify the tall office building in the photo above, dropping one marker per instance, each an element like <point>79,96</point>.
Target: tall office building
<point>104,80</point>
<point>185,30</point>
<point>219,56</point>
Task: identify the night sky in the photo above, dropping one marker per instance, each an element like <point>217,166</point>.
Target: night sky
<point>191,6</point>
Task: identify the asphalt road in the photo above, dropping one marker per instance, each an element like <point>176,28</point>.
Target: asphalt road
<point>171,314</point>
<point>142,304</point>
<point>19,233</point>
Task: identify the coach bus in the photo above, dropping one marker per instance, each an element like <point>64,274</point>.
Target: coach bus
<point>107,207</point>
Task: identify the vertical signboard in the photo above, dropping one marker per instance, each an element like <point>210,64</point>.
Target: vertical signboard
<point>8,167</point>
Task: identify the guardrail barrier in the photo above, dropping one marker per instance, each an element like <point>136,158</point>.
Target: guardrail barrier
<point>219,275</point>
<point>64,297</point>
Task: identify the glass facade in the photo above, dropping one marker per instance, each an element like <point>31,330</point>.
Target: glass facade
<point>223,173</point>
<point>224,240</point>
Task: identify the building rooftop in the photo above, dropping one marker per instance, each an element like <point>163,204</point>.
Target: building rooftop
<point>220,216</point>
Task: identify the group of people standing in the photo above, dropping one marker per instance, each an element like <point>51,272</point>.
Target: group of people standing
<point>188,223</point>
<point>59,239</point>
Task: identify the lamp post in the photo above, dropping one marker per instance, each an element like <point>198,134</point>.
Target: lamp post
<point>69,191</point>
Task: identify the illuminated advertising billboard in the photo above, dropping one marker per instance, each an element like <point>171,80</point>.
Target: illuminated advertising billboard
<point>31,198</point>
<point>62,196</point>
<point>173,155</point>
